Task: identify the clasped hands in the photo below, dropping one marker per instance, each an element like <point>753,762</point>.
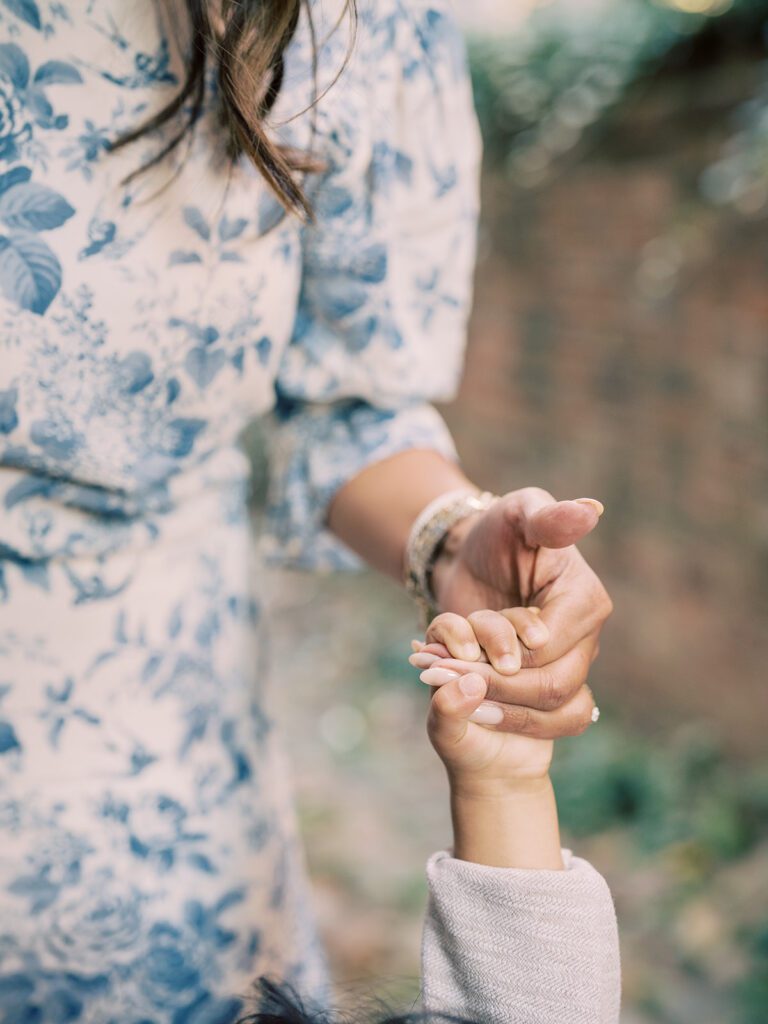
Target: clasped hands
<point>523,609</point>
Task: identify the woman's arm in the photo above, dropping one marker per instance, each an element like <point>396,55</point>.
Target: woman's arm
<point>521,551</point>
<point>374,511</point>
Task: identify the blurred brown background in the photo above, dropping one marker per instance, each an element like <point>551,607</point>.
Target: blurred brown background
<point>618,350</point>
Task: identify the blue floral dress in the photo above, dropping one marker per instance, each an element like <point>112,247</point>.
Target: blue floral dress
<point>148,862</point>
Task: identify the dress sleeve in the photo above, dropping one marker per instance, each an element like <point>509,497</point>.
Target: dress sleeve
<point>386,273</point>
<point>513,946</point>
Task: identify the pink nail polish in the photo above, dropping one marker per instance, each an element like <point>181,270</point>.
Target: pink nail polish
<point>487,714</point>
<point>423,660</point>
<point>438,676</point>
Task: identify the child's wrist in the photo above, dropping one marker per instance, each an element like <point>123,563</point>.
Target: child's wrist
<point>472,787</point>
<point>509,824</point>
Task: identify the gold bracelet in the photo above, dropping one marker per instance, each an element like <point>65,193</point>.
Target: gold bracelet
<point>427,536</point>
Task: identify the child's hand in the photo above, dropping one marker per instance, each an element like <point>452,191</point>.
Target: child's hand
<point>479,757</point>
<point>484,743</point>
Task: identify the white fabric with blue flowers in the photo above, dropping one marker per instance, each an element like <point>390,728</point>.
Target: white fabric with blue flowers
<point>148,861</point>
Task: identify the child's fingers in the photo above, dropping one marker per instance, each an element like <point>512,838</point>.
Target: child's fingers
<point>455,632</point>
<point>451,707</point>
<point>529,625</point>
<point>427,654</point>
<point>544,688</point>
<point>498,638</point>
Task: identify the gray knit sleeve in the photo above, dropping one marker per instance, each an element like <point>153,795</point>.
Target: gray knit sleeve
<point>510,946</point>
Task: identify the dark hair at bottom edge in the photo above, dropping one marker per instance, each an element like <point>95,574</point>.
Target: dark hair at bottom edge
<point>280,1003</point>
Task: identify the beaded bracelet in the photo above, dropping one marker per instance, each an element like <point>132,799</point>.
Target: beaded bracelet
<point>426,539</point>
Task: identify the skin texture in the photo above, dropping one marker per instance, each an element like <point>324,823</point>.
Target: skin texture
<point>519,553</point>
<point>502,802</point>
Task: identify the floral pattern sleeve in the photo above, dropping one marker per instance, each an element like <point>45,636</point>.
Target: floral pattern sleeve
<point>386,275</point>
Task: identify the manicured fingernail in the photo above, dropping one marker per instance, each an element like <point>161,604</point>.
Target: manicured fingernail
<point>438,676</point>
<point>416,645</point>
<point>508,663</point>
<point>596,505</point>
<point>595,714</point>
<point>487,714</point>
<point>423,660</point>
<point>534,609</point>
<point>472,685</point>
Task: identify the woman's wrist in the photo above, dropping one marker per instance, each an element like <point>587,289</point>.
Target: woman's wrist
<point>449,550</point>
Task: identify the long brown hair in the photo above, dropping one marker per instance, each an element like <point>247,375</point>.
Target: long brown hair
<point>247,40</point>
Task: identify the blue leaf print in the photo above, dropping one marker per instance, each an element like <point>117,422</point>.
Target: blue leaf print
<point>27,10</point>
<point>202,863</point>
<point>179,256</point>
<point>151,665</point>
<point>172,390</point>
<point>175,622</point>
<point>36,573</point>
<point>34,207</point>
<point>9,419</point>
<point>14,177</point>
<point>40,892</point>
<point>8,740</point>
<point>334,201</point>
<point>135,373</point>
<point>14,63</point>
<point>370,265</point>
<point>229,229</point>
<point>30,274</point>
<point>57,72</point>
<point>182,436</point>
<point>197,222</point>
<point>101,233</point>
<point>55,437</point>
<point>41,108</point>
<point>31,487</point>
<point>263,348</point>
<point>202,365</point>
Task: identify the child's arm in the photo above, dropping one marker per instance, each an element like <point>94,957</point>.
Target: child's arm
<point>516,929</point>
<point>502,802</point>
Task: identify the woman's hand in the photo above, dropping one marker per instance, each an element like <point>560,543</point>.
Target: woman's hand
<point>521,552</point>
<point>509,705</point>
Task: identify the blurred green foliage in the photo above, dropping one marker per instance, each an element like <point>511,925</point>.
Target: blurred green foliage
<point>542,90</point>
<point>686,807</point>
<point>686,793</point>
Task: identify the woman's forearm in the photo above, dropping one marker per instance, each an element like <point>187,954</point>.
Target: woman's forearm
<point>514,827</point>
<point>374,511</point>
